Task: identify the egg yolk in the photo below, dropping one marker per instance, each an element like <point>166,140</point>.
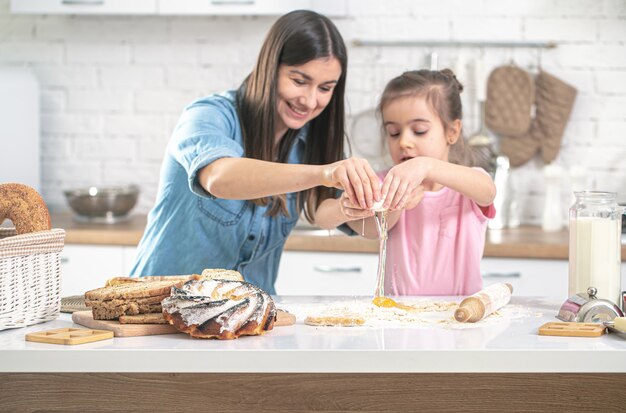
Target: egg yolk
<point>387,302</point>
<point>384,302</point>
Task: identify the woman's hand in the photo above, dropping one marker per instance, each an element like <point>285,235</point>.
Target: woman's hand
<point>357,178</point>
<point>402,188</point>
<point>353,211</point>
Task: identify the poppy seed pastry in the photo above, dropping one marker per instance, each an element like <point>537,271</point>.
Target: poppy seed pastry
<point>24,207</point>
<point>221,309</point>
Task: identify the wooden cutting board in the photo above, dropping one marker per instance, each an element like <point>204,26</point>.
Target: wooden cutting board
<point>85,318</point>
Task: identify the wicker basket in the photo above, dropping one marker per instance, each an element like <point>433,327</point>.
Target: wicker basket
<point>30,277</point>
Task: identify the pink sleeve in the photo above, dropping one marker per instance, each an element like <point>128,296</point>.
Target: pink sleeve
<point>488,211</point>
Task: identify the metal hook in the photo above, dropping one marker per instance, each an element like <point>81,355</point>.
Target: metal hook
<point>433,60</point>
<point>511,57</point>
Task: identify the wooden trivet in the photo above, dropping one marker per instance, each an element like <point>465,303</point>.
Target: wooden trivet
<point>69,336</point>
<point>571,329</point>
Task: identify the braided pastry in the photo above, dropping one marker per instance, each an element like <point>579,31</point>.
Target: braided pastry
<point>221,309</point>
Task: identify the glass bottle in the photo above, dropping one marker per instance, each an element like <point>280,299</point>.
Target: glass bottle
<point>595,222</point>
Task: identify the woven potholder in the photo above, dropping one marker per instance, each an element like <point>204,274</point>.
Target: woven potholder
<point>521,149</point>
<point>555,100</point>
<point>510,97</point>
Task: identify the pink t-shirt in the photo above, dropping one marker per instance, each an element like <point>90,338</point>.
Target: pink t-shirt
<point>436,247</point>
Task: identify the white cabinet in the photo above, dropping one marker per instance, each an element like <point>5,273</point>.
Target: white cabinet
<point>85,267</point>
<point>316,273</point>
<point>129,259</point>
<point>529,277</point>
<point>334,8</point>
<point>230,7</point>
<point>84,6</point>
<point>533,277</point>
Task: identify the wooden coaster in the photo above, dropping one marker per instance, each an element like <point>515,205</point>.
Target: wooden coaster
<point>571,329</point>
<point>69,336</point>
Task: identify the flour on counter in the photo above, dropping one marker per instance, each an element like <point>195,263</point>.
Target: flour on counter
<point>422,313</point>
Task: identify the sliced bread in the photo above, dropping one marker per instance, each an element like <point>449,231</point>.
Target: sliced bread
<point>151,318</point>
<point>122,280</point>
<point>221,274</point>
<point>133,290</point>
<point>116,302</point>
<point>128,280</point>
<point>132,308</point>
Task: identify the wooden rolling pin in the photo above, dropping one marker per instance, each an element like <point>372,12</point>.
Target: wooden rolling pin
<point>483,303</point>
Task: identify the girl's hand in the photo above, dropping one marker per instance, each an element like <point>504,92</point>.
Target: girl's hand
<point>353,211</point>
<point>402,188</point>
<point>357,178</point>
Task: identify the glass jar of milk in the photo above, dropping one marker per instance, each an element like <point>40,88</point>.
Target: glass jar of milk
<point>595,226</point>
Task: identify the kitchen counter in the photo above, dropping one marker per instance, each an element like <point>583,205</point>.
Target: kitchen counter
<point>509,345</point>
<point>522,242</point>
<point>308,368</point>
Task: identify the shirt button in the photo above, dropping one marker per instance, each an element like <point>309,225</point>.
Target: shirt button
<point>251,237</point>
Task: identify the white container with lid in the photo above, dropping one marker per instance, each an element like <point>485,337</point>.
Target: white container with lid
<point>595,244</point>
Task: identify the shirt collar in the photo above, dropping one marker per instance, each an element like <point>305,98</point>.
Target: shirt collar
<point>303,133</point>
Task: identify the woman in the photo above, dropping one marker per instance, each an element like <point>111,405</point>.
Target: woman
<point>241,165</point>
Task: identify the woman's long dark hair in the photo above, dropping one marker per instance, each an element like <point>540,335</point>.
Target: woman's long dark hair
<point>295,39</point>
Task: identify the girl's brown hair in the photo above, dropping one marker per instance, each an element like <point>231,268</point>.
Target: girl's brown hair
<point>442,92</point>
<point>295,39</point>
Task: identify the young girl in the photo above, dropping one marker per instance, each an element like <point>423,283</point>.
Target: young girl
<point>438,208</point>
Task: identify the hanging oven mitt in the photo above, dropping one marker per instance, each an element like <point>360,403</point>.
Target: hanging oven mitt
<point>510,100</point>
<point>521,149</point>
<point>555,100</point>
<point>510,97</point>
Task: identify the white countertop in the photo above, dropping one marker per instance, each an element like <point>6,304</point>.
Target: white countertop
<point>504,344</point>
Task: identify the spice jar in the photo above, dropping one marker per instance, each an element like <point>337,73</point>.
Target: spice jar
<point>595,222</point>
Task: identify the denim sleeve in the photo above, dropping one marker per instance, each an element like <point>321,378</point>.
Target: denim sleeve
<point>206,132</point>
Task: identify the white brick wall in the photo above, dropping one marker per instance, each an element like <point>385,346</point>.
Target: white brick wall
<point>112,88</point>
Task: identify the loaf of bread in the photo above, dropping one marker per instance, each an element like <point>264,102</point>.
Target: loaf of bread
<point>126,296</point>
<point>110,303</point>
<point>132,290</point>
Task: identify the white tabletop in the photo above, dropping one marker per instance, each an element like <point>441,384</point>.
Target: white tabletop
<point>507,343</point>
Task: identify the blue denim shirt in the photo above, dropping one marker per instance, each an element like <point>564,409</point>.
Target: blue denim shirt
<point>188,229</point>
